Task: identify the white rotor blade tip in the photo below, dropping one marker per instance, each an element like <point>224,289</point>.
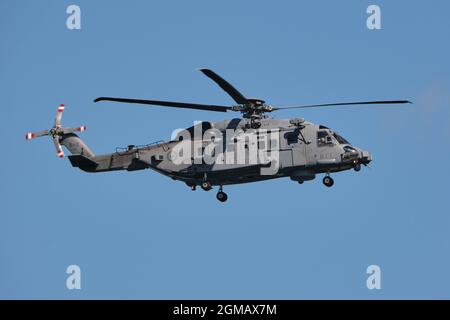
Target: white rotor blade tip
<point>60,153</point>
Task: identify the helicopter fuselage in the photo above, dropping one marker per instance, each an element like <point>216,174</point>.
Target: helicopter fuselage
<point>297,149</point>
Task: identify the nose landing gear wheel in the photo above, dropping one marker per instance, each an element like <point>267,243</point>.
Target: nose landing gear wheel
<point>222,196</point>
<point>328,181</point>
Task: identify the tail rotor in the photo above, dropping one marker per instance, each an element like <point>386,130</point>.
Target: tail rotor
<point>56,132</point>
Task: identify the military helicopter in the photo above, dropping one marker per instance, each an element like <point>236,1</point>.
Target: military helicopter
<point>303,149</point>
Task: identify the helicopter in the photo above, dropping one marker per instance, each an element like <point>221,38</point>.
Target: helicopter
<point>248,149</point>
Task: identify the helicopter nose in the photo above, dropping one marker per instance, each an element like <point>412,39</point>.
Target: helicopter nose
<point>365,157</point>
<point>350,153</point>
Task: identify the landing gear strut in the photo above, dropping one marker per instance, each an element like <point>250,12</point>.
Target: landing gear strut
<point>221,196</point>
<point>328,181</point>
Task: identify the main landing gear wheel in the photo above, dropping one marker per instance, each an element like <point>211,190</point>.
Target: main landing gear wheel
<point>222,196</point>
<point>328,181</point>
<point>206,185</point>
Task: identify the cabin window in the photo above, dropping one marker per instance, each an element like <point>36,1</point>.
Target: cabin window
<point>291,138</point>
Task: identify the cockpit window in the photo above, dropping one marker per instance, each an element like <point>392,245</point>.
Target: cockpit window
<point>340,139</point>
<point>324,138</point>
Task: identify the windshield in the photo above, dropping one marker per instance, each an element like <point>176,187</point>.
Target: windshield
<point>340,139</point>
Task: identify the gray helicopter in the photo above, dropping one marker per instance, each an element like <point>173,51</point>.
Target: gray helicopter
<point>248,149</point>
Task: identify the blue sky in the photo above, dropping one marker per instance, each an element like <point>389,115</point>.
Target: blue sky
<point>141,235</point>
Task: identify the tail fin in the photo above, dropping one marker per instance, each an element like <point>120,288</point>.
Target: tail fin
<point>81,156</point>
<point>75,145</point>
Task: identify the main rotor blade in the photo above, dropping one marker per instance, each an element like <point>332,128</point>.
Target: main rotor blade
<point>345,104</point>
<point>228,88</point>
<point>206,107</point>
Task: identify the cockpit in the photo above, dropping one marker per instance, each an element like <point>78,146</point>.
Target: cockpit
<point>326,137</point>
<point>340,139</point>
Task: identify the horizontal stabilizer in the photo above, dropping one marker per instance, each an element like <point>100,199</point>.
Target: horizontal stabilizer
<point>82,162</point>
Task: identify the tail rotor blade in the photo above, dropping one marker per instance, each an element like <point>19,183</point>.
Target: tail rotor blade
<point>32,135</point>
<point>72,130</point>
<point>59,114</point>
<point>59,150</point>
